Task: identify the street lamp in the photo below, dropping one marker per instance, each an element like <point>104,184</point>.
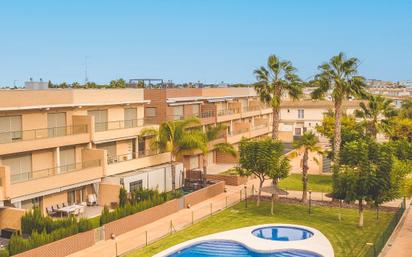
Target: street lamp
<point>246,196</point>
<point>310,201</point>
<point>113,236</point>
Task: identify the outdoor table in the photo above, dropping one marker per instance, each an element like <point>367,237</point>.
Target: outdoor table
<point>69,209</point>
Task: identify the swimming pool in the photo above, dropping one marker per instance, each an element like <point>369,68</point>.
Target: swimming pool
<point>282,233</point>
<point>266,240</point>
<point>232,249</point>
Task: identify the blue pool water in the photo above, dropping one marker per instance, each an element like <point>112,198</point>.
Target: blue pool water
<point>282,233</point>
<point>232,249</point>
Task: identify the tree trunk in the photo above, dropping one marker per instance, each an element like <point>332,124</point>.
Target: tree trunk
<point>274,197</point>
<point>275,123</point>
<point>360,213</point>
<point>337,133</point>
<point>173,167</point>
<point>305,169</point>
<point>374,129</point>
<point>260,192</point>
<point>204,169</point>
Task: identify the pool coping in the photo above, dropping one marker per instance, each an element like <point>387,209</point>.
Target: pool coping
<point>318,243</point>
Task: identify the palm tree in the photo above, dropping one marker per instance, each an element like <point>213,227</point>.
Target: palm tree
<point>213,133</point>
<point>308,142</point>
<point>273,82</point>
<point>340,77</point>
<point>177,137</point>
<point>375,114</point>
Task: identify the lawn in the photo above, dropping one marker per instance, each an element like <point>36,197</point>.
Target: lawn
<point>347,239</point>
<point>316,183</point>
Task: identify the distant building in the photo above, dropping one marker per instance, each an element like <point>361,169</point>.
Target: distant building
<point>36,85</point>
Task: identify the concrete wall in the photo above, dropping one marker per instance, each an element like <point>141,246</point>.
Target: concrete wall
<point>11,217</point>
<point>108,193</point>
<point>63,247</point>
<point>204,193</point>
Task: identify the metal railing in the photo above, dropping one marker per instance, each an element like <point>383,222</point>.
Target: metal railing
<point>206,114</point>
<point>131,156</point>
<point>251,108</point>
<point>35,134</point>
<point>227,112</point>
<point>373,249</point>
<point>260,126</point>
<point>37,174</point>
<point>122,124</point>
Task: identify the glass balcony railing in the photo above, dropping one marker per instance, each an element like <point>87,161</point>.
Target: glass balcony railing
<point>35,134</point>
<point>224,112</point>
<point>131,156</point>
<point>37,174</point>
<point>123,124</point>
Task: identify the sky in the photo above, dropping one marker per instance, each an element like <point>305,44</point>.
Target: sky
<point>208,41</point>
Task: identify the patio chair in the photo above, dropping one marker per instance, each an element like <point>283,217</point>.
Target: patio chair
<point>91,200</point>
<point>50,212</point>
<point>63,204</point>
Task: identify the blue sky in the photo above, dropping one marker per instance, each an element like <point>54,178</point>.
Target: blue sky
<point>208,41</point>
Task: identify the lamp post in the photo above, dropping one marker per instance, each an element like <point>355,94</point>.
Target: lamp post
<point>310,201</point>
<point>113,236</point>
<point>245,196</point>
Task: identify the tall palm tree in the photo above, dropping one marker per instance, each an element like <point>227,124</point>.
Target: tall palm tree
<point>177,137</point>
<point>375,114</point>
<point>340,76</point>
<point>212,133</point>
<point>308,142</point>
<point>273,82</point>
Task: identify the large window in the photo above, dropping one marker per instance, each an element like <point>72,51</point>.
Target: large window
<point>150,112</point>
<point>67,159</point>
<point>178,112</point>
<point>130,117</point>
<point>20,167</point>
<point>56,122</point>
<point>301,114</point>
<point>136,185</point>
<point>196,109</point>
<point>10,128</point>
<point>100,119</point>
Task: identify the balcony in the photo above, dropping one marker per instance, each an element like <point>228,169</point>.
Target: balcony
<point>207,117</point>
<point>250,111</point>
<point>29,140</point>
<point>260,130</point>
<point>133,161</point>
<point>228,114</point>
<point>237,134</point>
<point>55,179</point>
<point>120,128</point>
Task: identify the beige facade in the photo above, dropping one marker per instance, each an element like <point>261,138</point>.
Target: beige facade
<point>56,146</point>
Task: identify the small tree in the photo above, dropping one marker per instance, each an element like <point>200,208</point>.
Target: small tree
<point>122,197</point>
<point>262,159</point>
<point>307,143</point>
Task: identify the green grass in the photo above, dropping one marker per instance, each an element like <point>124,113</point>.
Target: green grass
<point>347,239</point>
<point>316,183</point>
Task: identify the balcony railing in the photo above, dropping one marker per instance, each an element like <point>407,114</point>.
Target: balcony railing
<point>206,114</point>
<point>227,112</point>
<point>34,134</point>
<point>239,131</point>
<point>122,124</point>
<point>260,126</point>
<point>131,156</point>
<point>251,108</point>
<point>37,174</point>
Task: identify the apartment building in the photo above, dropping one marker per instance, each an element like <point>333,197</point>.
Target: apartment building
<point>75,145</point>
<point>238,108</point>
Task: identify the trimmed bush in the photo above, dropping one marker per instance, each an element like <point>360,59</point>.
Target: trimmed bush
<point>4,253</point>
<point>140,200</point>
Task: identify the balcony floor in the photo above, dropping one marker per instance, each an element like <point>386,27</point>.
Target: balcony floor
<point>92,211</point>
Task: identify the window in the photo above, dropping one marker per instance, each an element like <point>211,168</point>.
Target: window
<point>195,109</point>
<point>100,119</point>
<point>71,197</point>
<point>31,203</point>
<point>136,185</point>
<point>298,131</point>
<point>301,114</point>
<point>67,159</point>
<point>111,151</point>
<point>130,117</point>
<point>10,128</point>
<point>56,122</point>
<point>150,112</point>
<point>20,167</point>
<point>178,112</point>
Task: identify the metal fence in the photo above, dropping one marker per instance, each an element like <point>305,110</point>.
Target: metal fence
<point>373,249</point>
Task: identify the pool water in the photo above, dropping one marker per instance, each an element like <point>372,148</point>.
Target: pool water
<point>282,233</point>
<point>232,249</point>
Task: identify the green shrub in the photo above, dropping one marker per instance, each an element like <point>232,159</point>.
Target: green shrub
<point>122,197</point>
<point>85,225</point>
<point>4,253</point>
